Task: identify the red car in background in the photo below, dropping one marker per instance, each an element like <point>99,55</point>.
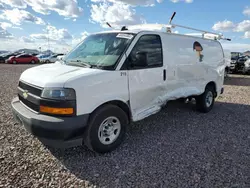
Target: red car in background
<point>23,58</point>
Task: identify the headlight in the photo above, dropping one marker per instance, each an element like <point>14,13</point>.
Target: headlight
<point>59,93</point>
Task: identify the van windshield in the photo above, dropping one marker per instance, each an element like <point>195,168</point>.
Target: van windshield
<point>99,50</point>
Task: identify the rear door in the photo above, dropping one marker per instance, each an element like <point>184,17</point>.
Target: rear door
<point>146,82</point>
<point>20,58</point>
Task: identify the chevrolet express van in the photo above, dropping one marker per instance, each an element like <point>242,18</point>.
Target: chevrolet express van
<point>113,78</point>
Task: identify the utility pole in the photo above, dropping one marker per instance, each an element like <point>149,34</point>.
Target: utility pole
<point>48,38</point>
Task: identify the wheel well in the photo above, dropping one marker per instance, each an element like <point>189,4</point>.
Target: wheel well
<point>213,85</point>
<point>120,104</point>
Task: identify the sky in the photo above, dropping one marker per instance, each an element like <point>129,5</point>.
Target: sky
<point>30,23</point>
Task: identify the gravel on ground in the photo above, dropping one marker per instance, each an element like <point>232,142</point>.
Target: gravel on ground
<point>178,147</point>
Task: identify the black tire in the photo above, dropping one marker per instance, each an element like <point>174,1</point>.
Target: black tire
<point>47,61</point>
<point>91,135</point>
<point>32,62</point>
<point>201,101</point>
<point>14,62</point>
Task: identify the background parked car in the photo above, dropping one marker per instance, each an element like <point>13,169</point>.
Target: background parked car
<point>240,64</point>
<point>60,57</point>
<point>6,56</point>
<point>23,58</point>
<point>234,58</point>
<point>50,59</point>
<point>246,69</point>
<point>41,57</point>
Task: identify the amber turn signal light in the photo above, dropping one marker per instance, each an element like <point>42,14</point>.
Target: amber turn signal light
<point>60,111</point>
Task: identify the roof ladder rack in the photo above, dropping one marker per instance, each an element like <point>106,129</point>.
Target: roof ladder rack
<point>170,26</point>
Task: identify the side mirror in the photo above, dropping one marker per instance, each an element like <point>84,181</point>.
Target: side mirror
<point>140,60</point>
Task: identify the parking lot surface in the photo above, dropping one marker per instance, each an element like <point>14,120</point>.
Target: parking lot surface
<point>178,147</point>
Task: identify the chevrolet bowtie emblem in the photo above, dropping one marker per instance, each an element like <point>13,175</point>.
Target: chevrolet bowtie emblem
<point>25,94</point>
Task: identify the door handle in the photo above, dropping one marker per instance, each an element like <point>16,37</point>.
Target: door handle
<point>164,74</point>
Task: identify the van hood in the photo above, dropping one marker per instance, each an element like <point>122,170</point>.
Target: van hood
<point>54,75</point>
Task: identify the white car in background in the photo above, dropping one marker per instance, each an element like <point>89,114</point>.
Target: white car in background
<point>247,67</point>
<point>51,59</point>
<point>60,57</point>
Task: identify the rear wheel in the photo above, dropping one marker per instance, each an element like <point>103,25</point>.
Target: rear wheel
<point>33,62</point>
<point>205,102</point>
<point>106,129</point>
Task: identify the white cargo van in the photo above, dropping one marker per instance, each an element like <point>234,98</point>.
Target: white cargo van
<point>113,78</point>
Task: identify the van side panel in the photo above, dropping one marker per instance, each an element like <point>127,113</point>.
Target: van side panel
<point>189,69</point>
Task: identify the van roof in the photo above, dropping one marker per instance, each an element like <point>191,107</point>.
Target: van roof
<point>136,31</point>
<point>167,28</point>
<point>119,31</point>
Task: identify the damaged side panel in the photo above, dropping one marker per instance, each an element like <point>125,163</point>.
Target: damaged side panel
<point>189,63</point>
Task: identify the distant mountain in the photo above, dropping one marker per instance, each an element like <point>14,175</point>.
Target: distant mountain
<point>28,51</point>
<point>3,51</point>
<point>47,52</point>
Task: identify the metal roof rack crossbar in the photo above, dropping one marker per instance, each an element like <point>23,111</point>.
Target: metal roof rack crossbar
<point>170,26</point>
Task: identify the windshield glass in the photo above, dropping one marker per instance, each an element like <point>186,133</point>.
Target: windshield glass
<point>99,50</point>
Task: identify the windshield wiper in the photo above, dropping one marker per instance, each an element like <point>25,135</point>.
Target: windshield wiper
<point>97,66</point>
<point>79,63</point>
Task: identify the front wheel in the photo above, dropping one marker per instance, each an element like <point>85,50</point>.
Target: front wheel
<point>205,102</point>
<point>106,129</point>
<point>14,62</point>
<point>32,62</point>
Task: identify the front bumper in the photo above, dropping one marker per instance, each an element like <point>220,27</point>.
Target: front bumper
<point>58,132</point>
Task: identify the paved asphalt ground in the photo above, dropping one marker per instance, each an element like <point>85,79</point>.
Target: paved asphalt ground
<point>178,147</point>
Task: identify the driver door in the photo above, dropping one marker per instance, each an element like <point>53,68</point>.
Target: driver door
<point>146,76</point>
<point>21,59</point>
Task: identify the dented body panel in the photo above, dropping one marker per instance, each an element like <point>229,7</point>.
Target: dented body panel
<point>187,73</point>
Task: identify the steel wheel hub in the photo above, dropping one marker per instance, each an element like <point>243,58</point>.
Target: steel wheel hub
<point>209,99</point>
<point>109,130</point>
